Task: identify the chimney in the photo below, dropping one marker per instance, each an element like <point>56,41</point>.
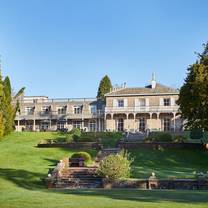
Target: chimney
<point>153,82</point>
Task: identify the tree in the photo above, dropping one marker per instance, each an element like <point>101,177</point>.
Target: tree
<point>9,109</point>
<point>104,87</point>
<point>193,96</point>
<point>1,107</point>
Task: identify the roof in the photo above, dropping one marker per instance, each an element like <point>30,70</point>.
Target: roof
<point>148,90</point>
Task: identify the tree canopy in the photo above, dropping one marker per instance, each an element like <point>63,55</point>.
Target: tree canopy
<point>193,96</point>
<point>104,87</point>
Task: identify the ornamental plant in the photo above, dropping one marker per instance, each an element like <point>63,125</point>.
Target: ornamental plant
<point>116,166</point>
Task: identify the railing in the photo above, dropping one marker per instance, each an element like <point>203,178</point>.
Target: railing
<point>55,114</point>
<point>58,100</point>
<point>142,109</point>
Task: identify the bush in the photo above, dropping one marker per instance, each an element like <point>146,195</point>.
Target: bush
<point>86,156</point>
<point>196,134</point>
<point>69,138</point>
<point>115,166</point>
<point>180,138</point>
<point>76,133</point>
<point>159,137</point>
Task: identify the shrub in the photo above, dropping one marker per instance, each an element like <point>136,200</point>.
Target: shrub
<point>76,134</point>
<point>69,138</point>
<point>196,134</point>
<point>160,137</point>
<point>86,156</point>
<point>115,166</point>
<point>180,138</point>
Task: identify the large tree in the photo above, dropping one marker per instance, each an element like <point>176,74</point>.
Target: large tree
<point>104,87</point>
<point>1,106</point>
<point>193,97</point>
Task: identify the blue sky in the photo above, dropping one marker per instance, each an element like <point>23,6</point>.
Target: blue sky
<point>63,48</point>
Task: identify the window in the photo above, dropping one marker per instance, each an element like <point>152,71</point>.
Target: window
<point>142,125</point>
<point>60,125</point>
<point>167,124</point>
<point>29,110</point>
<point>120,103</point>
<point>93,109</point>
<point>77,109</point>
<point>92,126</point>
<point>166,101</point>
<point>120,124</point>
<point>142,102</point>
<point>62,110</point>
<point>77,124</point>
<point>46,109</point>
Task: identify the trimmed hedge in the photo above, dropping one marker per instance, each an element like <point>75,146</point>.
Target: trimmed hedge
<point>86,156</point>
<point>160,137</point>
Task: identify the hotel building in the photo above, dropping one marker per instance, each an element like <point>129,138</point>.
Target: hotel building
<point>125,109</point>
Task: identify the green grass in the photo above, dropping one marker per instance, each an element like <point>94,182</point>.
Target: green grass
<point>169,163</point>
<point>22,166</point>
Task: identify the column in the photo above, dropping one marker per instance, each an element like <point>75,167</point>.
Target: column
<point>174,123</point>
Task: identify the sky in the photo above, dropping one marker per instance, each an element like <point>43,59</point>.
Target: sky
<point>62,48</point>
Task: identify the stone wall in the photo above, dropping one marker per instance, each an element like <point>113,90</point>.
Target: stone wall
<point>158,145</point>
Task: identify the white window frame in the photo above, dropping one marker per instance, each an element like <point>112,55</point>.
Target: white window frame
<point>93,109</point>
<point>92,126</point>
<point>61,110</point>
<point>78,109</point>
<point>166,102</point>
<point>29,110</point>
<point>120,103</point>
<point>77,124</point>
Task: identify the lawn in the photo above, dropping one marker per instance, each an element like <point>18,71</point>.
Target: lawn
<point>22,166</point>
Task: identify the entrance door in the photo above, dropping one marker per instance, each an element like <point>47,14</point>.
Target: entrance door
<point>142,124</point>
<point>44,126</point>
<point>167,124</point>
<point>120,124</point>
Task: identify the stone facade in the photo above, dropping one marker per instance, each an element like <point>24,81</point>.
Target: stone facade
<point>150,108</point>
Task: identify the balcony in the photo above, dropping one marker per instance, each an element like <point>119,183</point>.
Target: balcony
<point>57,115</point>
<point>142,109</point>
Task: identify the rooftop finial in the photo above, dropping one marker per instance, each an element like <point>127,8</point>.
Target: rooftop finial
<point>153,76</point>
<point>153,82</point>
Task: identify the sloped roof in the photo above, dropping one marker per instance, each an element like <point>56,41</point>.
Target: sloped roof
<point>159,89</point>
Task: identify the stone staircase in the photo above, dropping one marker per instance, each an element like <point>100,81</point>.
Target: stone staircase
<point>79,177</point>
<point>105,152</point>
<point>133,137</point>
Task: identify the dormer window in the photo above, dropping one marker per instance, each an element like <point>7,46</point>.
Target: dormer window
<point>29,110</point>
<point>78,109</point>
<point>93,109</point>
<point>62,110</point>
<point>120,103</point>
<point>166,101</point>
<point>46,109</point>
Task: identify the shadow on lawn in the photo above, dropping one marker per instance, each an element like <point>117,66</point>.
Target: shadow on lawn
<point>31,180</point>
<point>180,196</point>
<point>23,178</point>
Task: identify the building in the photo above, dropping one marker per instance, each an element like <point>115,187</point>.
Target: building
<point>137,109</point>
<point>39,113</point>
<point>126,109</point>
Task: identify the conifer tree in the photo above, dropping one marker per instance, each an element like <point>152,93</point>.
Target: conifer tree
<point>104,87</point>
<point>9,109</point>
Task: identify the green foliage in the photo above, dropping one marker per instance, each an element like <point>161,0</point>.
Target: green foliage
<point>116,166</point>
<point>180,138</point>
<point>196,134</point>
<point>76,134</point>
<point>1,125</point>
<point>86,156</point>
<point>193,99</point>
<point>159,137</point>
<point>7,108</point>
<point>104,87</point>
